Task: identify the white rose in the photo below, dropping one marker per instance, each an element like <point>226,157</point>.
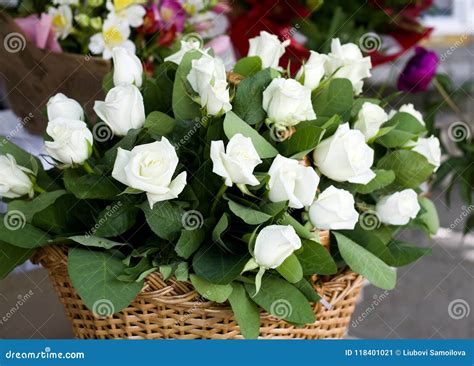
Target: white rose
<point>236,163</point>
<point>293,182</point>
<point>186,46</point>
<point>370,118</point>
<point>122,110</point>
<point>410,109</point>
<point>346,61</point>
<point>269,48</point>
<point>430,149</point>
<point>274,244</point>
<point>71,141</point>
<point>14,180</point>
<point>128,68</point>
<point>62,106</point>
<point>311,73</point>
<point>334,210</point>
<point>150,168</point>
<point>208,78</point>
<point>345,156</point>
<point>398,208</point>
<point>287,103</point>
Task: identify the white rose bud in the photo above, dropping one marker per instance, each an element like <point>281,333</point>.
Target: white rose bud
<point>370,118</point>
<point>269,48</point>
<point>14,180</point>
<point>128,69</point>
<point>410,109</point>
<point>430,149</point>
<point>236,163</point>
<point>287,103</point>
<point>274,244</point>
<point>122,109</point>
<point>334,210</point>
<point>398,208</point>
<point>346,61</point>
<point>71,141</point>
<point>150,168</point>
<point>311,73</point>
<point>62,106</point>
<point>293,182</point>
<point>186,46</point>
<point>208,78</point>
<point>345,156</point>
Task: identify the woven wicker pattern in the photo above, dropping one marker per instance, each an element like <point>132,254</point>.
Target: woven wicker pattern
<point>174,309</point>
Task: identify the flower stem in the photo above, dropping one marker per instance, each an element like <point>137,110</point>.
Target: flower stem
<point>448,100</point>
<point>88,168</point>
<point>38,189</point>
<point>217,198</point>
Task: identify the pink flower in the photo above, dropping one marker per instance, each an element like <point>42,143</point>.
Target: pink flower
<point>40,31</point>
<point>172,13</point>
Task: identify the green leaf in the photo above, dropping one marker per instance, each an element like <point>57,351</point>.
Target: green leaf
<point>116,219</point>
<point>234,125</point>
<point>315,259</point>
<point>11,257</point>
<point>108,82</point>
<point>211,291</point>
<point>182,271</point>
<point>189,242</point>
<point>335,99</point>
<point>95,242</point>
<point>362,261</point>
<point>308,290</point>
<point>91,186</point>
<point>165,219</point>
<point>16,231</point>
<point>247,214</point>
<point>184,107</point>
<point>291,269</point>
<point>405,128</point>
<point>220,229</point>
<point>248,99</point>
<point>38,204</point>
<point>410,168</point>
<point>94,276</point>
<point>159,124</point>
<point>245,311</point>
<point>404,253</point>
<point>304,140</point>
<point>382,179</point>
<point>429,216</point>
<point>216,266</point>
<point>283,300</point>
<point>248,66</point>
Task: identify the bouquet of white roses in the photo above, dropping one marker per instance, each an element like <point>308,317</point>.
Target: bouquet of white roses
<point>224,180</point>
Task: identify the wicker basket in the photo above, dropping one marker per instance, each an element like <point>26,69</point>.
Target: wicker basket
<point>174,309</point>
<point>32,75</point>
